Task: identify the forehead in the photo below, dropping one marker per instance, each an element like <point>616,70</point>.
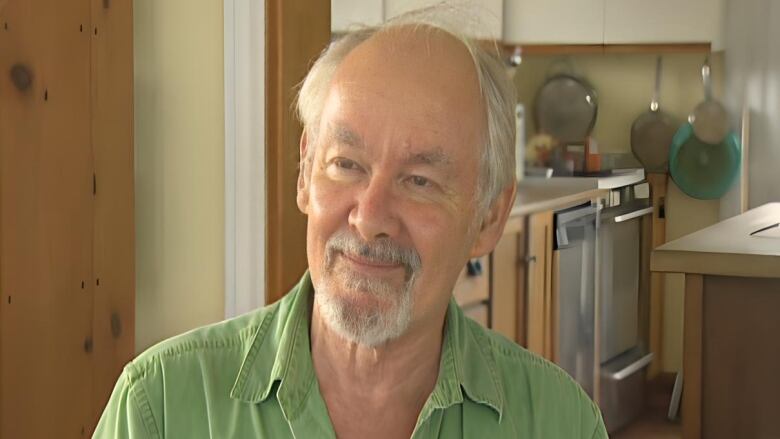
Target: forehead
<point>413,85</point>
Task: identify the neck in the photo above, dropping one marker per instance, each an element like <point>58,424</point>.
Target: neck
<point>400,373</point>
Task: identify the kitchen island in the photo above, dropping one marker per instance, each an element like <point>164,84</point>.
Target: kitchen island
<point>731,353</point>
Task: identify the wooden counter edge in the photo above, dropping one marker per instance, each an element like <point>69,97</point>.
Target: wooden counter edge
<point>716,264</point>
<point>559,203</point>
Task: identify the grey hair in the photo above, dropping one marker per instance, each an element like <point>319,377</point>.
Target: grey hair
<point>498,155</point>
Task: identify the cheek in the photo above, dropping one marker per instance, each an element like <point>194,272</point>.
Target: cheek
<point>440,237</point>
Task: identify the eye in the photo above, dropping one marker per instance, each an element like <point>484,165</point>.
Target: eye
<point>345,164</point>
<point>419,181</point>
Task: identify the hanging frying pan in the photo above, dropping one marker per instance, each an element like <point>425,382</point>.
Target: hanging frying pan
<point>703,170</point>
<point>566,107</point>
<point>710,119</point>
<point>652,132</point>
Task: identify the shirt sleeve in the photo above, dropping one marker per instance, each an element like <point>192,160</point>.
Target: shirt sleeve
<point>127,414</point>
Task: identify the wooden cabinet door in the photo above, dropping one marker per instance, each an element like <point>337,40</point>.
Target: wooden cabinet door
<point>539,292</point>
<point>508,282</point>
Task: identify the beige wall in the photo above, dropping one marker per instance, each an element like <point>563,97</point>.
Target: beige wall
<point>624,84</point>
<point>179,147</point>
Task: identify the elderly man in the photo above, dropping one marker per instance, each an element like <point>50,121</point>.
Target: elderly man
<point>407,171</point>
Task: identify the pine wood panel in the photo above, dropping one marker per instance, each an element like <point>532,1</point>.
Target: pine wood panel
<point>46,229</point>
<point>508,289</point>
<point>539,283</point>
<point>114,228</point>
<point>297,31</point>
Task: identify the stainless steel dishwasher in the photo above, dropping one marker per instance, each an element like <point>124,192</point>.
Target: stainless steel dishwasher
<point>575,245</point>
<point>623,356</point>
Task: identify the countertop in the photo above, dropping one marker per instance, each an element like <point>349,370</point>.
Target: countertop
<point>727,248</point>
<point>538,194</point>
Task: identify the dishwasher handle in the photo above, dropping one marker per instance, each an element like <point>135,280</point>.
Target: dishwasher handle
<point>634,214</point>
<point>632,368</point>
<point>569,217</point>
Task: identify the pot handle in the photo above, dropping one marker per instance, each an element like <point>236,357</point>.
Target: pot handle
<point>706,79</point>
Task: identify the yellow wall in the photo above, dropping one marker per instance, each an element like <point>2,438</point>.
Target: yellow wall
<point>624,84</point>
<point>179,166</point>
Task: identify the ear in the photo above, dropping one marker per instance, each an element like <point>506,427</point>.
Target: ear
<point>493,222</point>
<point>304,176</point>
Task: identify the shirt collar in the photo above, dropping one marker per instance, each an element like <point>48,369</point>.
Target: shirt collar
<point>466,361</point>
<point>279,353</point>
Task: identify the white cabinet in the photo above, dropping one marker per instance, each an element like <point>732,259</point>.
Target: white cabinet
<point>613,21</point>
<point>347,13</point>
<point>663,21</point>
<point>484,18</point>
<point>554,21</point>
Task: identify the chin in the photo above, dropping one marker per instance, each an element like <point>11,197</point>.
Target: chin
<point>363,311</point>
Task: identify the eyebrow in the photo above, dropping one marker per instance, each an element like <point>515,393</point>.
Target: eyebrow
<point>436,157</point>
<point>344,135</point>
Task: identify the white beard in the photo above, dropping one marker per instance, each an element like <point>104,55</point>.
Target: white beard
<point>368,325</point>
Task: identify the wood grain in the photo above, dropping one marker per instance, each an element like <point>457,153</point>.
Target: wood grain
<point>60,232</point>
<point>46,214</point>
<point>740,358</point>
<point>506,287</point>
<point>580,49</point>
<point>692,356</point>
<point>539,287</point>
<point>296,32</point>
<point>658,184</point>
<point>113,317</point>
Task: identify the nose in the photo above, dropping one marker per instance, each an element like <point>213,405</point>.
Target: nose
<point>374,215</point>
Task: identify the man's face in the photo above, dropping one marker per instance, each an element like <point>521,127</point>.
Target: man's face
<point>390,192</point>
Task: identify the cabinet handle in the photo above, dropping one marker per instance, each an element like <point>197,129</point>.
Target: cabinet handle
<point>474,267</point>
<point>529,259</point>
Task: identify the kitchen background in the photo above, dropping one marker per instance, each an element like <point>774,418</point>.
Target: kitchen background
<point>180,242</point>
<point>184,115</point>
<point>624,83</point>
<point>179,62</point>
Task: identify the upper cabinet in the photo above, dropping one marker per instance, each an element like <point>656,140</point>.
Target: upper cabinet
<point>663,21</point>
<point>486,15</point>
<point>347,13</point>
<point>554,21</point>
<point>562,21</point>
<point>613,22</point>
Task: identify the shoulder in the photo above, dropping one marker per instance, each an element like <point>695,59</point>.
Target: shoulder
<point>537,392</point>
<point>225,337</point>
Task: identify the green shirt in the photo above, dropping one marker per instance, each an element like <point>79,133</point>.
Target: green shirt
<point>252,377</point>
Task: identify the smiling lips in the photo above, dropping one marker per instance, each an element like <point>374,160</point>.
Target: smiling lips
<point>370,264</point>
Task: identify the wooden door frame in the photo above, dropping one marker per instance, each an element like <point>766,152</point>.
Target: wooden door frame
<point>296,32</point>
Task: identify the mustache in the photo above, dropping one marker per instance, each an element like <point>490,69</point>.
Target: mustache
<point>381,251</point>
